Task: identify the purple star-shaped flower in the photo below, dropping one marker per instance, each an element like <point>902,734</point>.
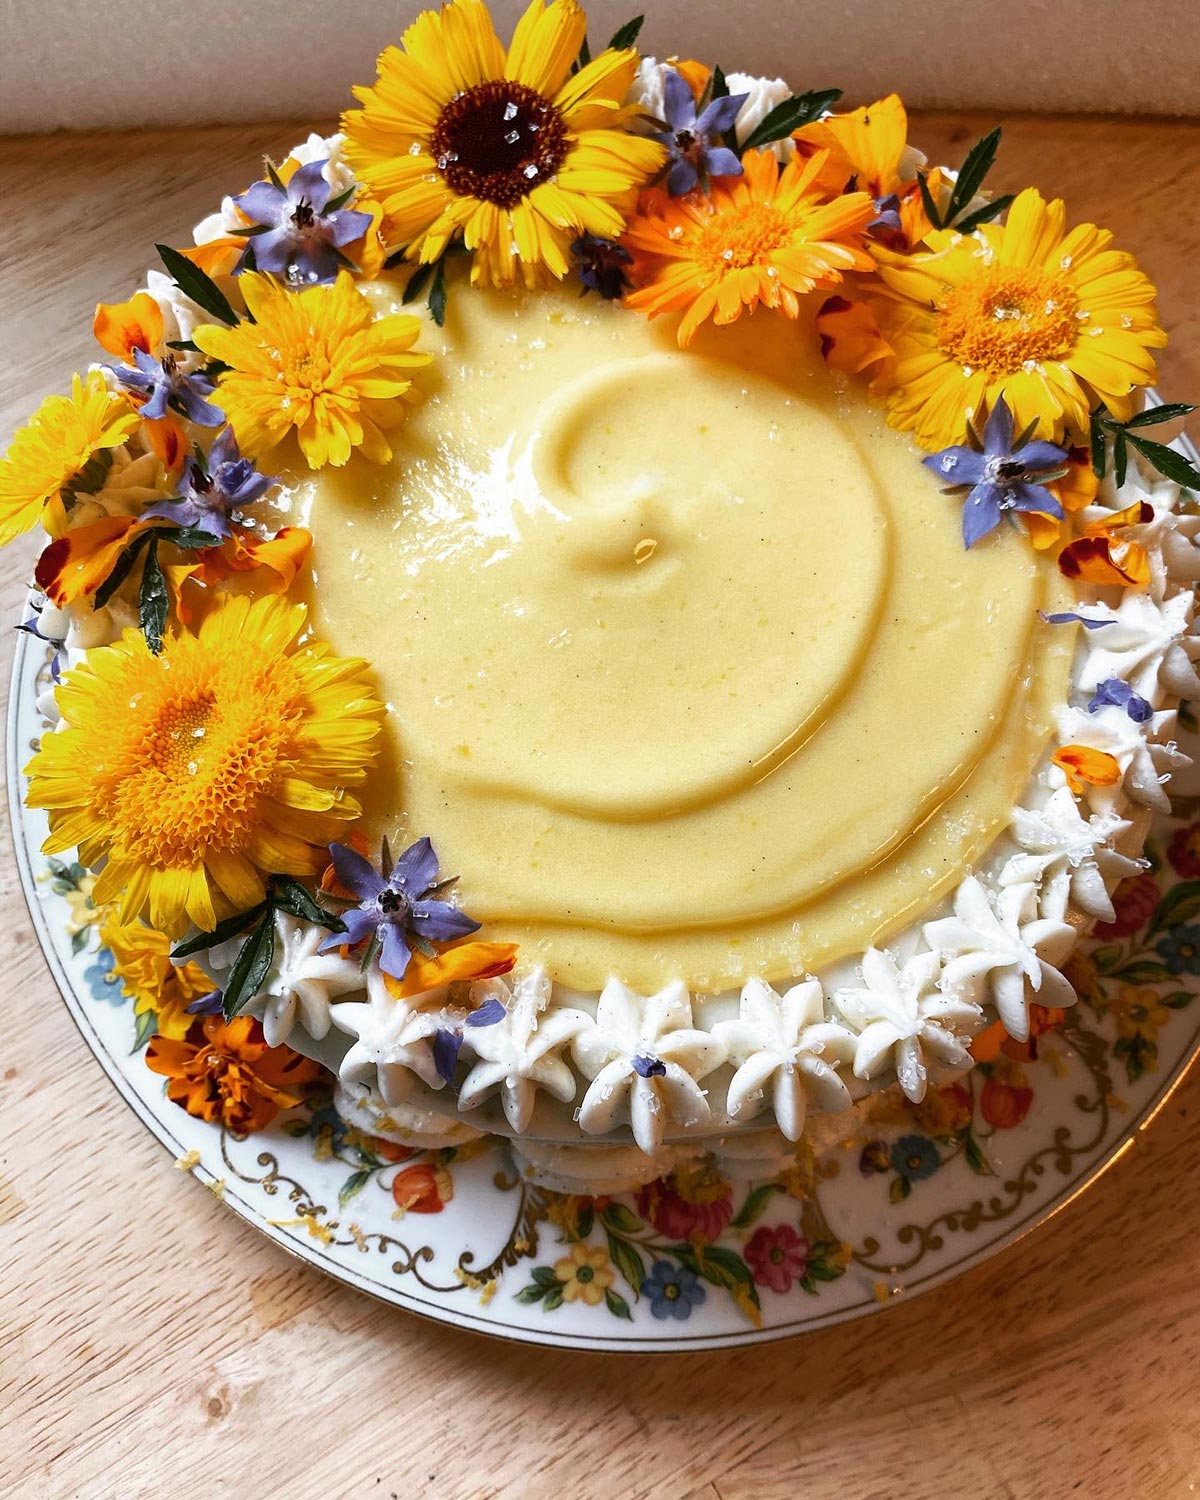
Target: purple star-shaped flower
<point>207,495</point>
<point>165,385</point>
<point>1001,479</point>
<point>32,627</point>
<point>1119,694</point>
<point>692,155</point>
<point>212,1004</point>
<point>394,907</point>
<point>295,233</point>
<point>601,264</point>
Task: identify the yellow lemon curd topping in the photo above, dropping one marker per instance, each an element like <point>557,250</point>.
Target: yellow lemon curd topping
<point>689,672</point>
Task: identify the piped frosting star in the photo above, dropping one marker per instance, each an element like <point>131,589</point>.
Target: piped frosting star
<point>395,1038</point>
<point>521,1052</point>
<point>1145,763</point>
<point>905,1021</point>
<point>1003,951</point>
<point>1147,644</point>
<point>1071,857</point>
<point>303,981</point>
<point>646,1058</point>
<point>784,1046</point>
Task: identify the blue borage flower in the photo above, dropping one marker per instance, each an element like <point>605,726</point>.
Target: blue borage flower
<point>602,265</point>
<point>1069,617</point>
<point>448,1040</point>
<point>212,1004</point>
<point>690,139</point>
<point>209,491</point>
<point>1002,476</point>
<point>672,1291</point>
<point>1117,693</point>
<point>649,1067</point>
<point>298,233</point>
<point>165,385</point>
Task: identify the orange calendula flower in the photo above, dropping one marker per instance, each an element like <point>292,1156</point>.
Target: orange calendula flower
<point>317,363</point>
<point>512,153</point>
<point>1083,767</point>
<point>224,1073</point>
<point>197,772</point>
<point>142,962</point>
<point>463,961</point>
<point>122,327</point>
<point>168,441</point>
<point>1075,490</point>
<point>850,338</point>
<point>867,144</point>
<point>766,237</point>
<point>55,445</point>
<point>1056,322</point>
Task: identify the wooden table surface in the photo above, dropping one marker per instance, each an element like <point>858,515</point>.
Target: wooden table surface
<point>151,1344</point>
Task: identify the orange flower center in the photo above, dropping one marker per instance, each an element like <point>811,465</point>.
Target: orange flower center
<point>498,141</point>
<point>734,241</point>
<point>1006,319</point>
<point>200,743</point>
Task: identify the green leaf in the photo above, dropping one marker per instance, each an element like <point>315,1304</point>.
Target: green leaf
<point>1180,904</point>
<point>530,1294</point>
<point>722,1267</point>
<point>145,1026</point>
<point>977,164</point>
<point>1099,444</point>
<point>290,896</point>
<point>1154,416</point>
<point>1120,458</point>
<point>153,599</point>
<point>617,1216</point>
<point>785,118</point>
<point>121,571</point>
<point>251,966</point>
<point>352,1186</point>
<point>544,1276</point>
<point>1178,999</point>
<point>417,283</point>
<point>191,538</point>
<point>1108,957</point>
<point>900,1189</point>
<point>754,1206</point>
<point>341,199</point>
<point>976,1160</point>
<point>985,213</point>
<point>90,478</point>
<point>1172,465</point>
<point>627,35</point>
<point>1144,971</point>
<point>628,1262</point>
<point>196,284</point>
<point>221,933</point>
<point>585,1221</point>
<point>931,208</point>
<point>295,1128</point>
<point>718,88</point>
<point>273,175</point>
<point>617,1305</point>
<point>554,1297</point>
<point>437,293</point>
<point>79,940</point>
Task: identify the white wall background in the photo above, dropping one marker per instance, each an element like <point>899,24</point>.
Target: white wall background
<point>81,63</point>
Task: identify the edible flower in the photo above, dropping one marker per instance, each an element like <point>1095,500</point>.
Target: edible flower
<point>224,1072</point>
<point>1002,476</point>
<point>297,233</point>
<point>1101,556</point>
<point>1115,691</point>
<point>211,490</point>
<point>122,327</point>
<point>515,154</point>
<point>58,442</point>
<point>1084,766</point>
<point>397,905</point>
<point>602,265</point>
<point>195,773</point>
<point>1057,322</point>
<point>766,237</point>
<point>141,960</point>
<point>164,384</point>
<point>455,963</point>
<point>693,155</point>
<point>318,363</point>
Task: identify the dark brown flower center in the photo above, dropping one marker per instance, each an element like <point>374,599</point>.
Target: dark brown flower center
<point>497,141</point>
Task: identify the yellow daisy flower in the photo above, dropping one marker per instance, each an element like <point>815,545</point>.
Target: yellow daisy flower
<point>142,962</point>
<point>196,772</point>
<point>768,236</point>
<point>1053,321</point>
<point>60,439</point>
<point>515,154</point>
<point>316,362</point>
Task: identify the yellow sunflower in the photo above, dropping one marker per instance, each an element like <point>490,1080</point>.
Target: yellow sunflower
<point>765,237</point>
<point>516,155</point>
<point>316,362</point>
<point>197,772</point>
<point>1053,321</point>
<point>60,439</point>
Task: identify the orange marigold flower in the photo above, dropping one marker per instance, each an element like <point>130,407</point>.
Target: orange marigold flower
<point>768,237</point>
<point>1084,767</point>
<point>122,327</point>
<point>224,1072</point>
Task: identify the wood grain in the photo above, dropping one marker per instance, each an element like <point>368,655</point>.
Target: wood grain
<point>151,1344</point>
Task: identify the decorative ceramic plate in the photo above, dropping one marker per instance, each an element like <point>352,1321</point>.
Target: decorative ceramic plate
<point>915,1195</point>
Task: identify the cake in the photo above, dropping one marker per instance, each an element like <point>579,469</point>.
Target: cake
<point>610,605</point>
